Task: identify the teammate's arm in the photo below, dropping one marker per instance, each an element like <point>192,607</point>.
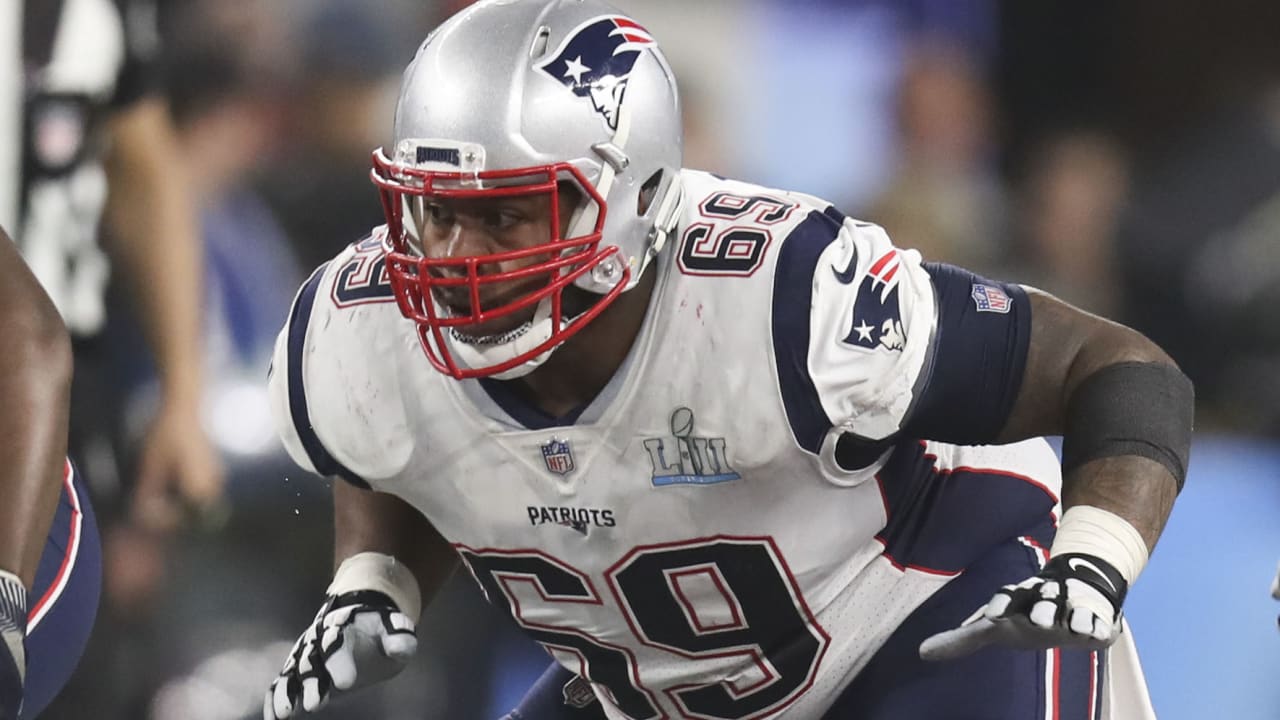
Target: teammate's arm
<point>1125,413</point>
<point>390,561</point>
<point>35,388</point>
<point>157,244</point>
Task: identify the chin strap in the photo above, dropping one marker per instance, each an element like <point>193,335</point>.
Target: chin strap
<point>476,352</point>
<point>668,215</point>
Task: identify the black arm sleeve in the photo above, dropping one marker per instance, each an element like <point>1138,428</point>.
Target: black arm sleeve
<point>977,360</point>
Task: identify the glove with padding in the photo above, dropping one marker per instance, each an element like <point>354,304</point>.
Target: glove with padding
<point>13,650</point>
<point>357,639</point>
<point>1073,602</point>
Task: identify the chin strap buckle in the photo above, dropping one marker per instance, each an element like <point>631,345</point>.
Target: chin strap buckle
<point>668,214</point>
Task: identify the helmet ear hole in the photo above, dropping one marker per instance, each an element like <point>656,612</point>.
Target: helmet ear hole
<point>644,201</point>
<point>539,48</point>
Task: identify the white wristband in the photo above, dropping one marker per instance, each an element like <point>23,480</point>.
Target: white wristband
<point>376,571</point>
<point>1104,534</point>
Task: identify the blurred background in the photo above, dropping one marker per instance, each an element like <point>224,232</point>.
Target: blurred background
<point>1125,156</point>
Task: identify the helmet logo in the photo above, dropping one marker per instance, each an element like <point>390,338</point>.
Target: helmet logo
<point>596,60</point>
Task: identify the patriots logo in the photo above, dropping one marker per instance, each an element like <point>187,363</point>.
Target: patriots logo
<point>578,526</point>
<point>877,321</point>
<point>596,61</point>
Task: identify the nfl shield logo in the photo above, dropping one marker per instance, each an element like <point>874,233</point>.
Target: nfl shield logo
<point>578,693</point>
<point>558,456</point>
<point>988,298</point>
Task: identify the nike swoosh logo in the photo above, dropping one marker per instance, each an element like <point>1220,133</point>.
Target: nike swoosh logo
<point>1077,563</point>
<point>846,276</point>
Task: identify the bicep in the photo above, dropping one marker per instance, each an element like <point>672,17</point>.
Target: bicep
<point>895,347</point>
<point>1066,345</point>
<point>976,358</point>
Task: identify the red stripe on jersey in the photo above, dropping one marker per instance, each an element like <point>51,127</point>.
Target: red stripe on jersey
<point>884,260</point>
<point>1044,552</point>
<point>1005,473</point>
<point>1055,703</point>
<point>1093,683</point>
<point>889,275</point>
<point>908,566</point>
<point>933,457</point>
<point>54,591</point>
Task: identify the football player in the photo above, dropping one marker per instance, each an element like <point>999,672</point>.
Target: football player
<point>50,562</point>
<point>722,450</point>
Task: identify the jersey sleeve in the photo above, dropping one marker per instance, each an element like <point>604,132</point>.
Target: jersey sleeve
<point>977,359</point>
<point>333,386</point>
<point>872,342</point>
<point>872,322</point>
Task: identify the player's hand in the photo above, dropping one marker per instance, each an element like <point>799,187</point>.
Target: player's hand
<point>13,654</point>
<point>178,470</point>
<point>358,638</point>
<point>1073,602</point>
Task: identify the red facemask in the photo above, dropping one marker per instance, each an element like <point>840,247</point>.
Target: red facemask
<point>414,277</point>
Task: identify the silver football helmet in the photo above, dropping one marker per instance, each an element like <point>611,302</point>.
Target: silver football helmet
<point>524,97</point>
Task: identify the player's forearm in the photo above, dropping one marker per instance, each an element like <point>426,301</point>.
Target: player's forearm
<point>35,382</point>
<point>157,244</point>
<point>1127,431</point>
<point>366,521</point>
<point>1123,409</point>
<point>1137,489</point>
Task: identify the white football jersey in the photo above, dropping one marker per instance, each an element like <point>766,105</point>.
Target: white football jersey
<point>689,540</point>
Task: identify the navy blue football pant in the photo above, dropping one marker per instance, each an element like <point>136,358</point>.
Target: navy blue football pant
<point>63,600</point>
<point>991,684</point>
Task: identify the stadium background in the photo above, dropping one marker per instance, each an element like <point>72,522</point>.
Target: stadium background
<point>1127,158</point>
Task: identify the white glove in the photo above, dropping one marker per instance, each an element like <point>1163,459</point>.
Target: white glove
<point>357,637</point>
<point>1073,602</point>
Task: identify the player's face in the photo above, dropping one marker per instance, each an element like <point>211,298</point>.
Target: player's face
<point>457,228</point>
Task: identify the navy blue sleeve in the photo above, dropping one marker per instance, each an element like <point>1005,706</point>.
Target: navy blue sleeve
<point>792,297</point>
<point>299,317</point>
<point>979,354</point>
